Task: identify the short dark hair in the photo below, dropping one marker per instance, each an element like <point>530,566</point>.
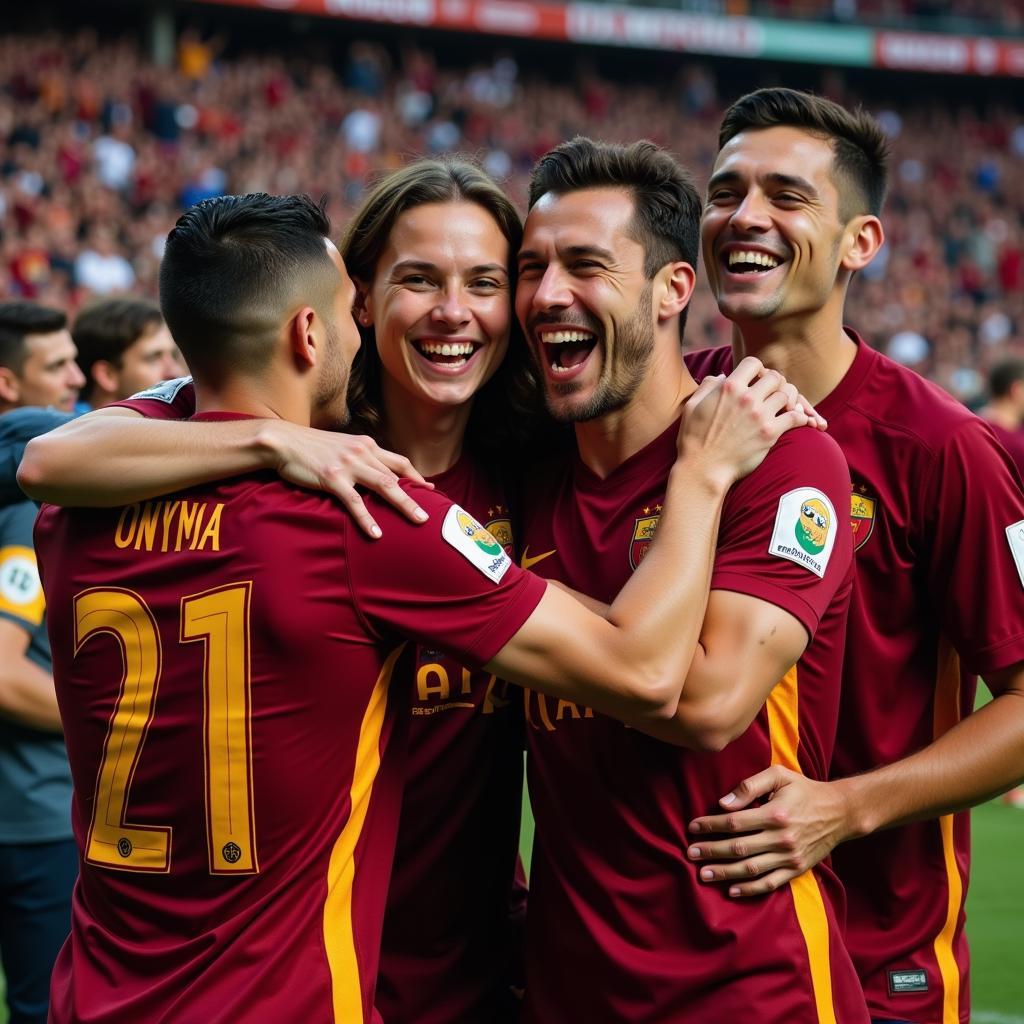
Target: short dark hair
<point>505,409</point>
<point>20,319</point>
<point>667,204</point>
<point>1004,375</point>
<point>231,266</point>
<point>859,145</point>
<point>106,329</point>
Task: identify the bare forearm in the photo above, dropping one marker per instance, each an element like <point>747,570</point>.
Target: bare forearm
<point>26,695</point>
<point>981,756</point>
<point>108,460</point>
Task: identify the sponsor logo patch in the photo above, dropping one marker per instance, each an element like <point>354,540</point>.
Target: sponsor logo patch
<point>1015,538</point>
<point>910,980</point>
<point>805,529</point>
<point>475,544</point>
<point>21,593</point>
<point>165,391</point>
<point>862,518</point>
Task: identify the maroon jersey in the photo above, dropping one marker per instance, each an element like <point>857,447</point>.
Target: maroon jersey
<point>938,524</point>
<point>451,928</point>
<point>450,935</point>
<point>619,926</point>
<point>223,660</point>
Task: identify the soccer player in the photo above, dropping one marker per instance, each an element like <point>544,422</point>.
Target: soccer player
<point>223,656</point>
<point>123,347</point>
<point>619,927</point>
<point>937,514</point>
<point>38,861</point>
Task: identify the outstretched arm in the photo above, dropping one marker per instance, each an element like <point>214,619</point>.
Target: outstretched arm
<point>804,820</point>
<point>115,456</point>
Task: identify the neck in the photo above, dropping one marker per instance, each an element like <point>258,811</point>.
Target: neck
<point>605,443</point>
<point>428,435</point>
<point>812,353</point>
<point>251,399</point>
<point>1001,413</point>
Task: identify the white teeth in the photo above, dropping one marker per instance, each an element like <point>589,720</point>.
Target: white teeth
<point>437,348</point>
<point>564,337</point>
<point>761,259</point>
<point>561,369</point>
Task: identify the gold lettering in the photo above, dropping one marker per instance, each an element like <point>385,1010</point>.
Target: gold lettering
<point>466,677</point>
<point>148,522</point>
<point>542,706</point>
<point>423,676</point>
<point>492,700</point>
<point>170,507</point>
<point>566,705</point>
<point>212,530</point>
<point>122,539</point>
<point>187,523</point>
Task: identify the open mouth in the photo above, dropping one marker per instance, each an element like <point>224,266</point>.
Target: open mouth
<point>567,349</point>
<point>750,261</point>
<point>450,354</point>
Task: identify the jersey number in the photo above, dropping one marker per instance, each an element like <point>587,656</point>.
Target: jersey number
<point>219,619</point>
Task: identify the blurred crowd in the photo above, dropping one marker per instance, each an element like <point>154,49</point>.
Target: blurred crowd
<point>100,150</point>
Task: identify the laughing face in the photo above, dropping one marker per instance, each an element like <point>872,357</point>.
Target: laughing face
<point>439,303</point>
<point>584,301</point>
<point>771,233</point>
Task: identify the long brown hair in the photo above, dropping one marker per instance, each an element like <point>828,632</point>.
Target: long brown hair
<point>508,406</point>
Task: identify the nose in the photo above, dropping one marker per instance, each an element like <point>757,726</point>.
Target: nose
<point>172,366</point>
<point>552,290</point>
<point>451,308</point>
<point>75,377</point>
<point>752,214</point>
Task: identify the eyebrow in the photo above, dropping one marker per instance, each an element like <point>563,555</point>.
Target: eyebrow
<point>776,178</point>
<point>571,250</point>
<point>482,268</point>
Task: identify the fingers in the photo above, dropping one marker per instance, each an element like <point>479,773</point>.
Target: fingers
<point>401,466</point>
<point>357,509</point>
<point>704,388</point>
<point>387,486</point>
<point>762,886</point>
<point>739,848</point>
<point>746,371</point>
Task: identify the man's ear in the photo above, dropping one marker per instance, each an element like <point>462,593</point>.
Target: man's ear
<point>106,375</point>
<point>302,336</point>
<point>10,386</point>
<point>862,239</point>
<point>673,288</point>
<point>362,307</point>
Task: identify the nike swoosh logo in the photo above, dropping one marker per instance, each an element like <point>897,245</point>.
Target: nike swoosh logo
<point>526,561</point>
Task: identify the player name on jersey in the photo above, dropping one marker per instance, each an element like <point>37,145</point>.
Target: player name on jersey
<point>176,525</point>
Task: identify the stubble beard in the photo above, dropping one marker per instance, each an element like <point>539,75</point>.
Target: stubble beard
<point>330,399</point>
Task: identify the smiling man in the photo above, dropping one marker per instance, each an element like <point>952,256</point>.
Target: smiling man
<point>619,927</point>
<point>937,514</point>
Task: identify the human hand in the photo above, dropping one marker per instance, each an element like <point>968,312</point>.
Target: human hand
<point>731,423</point>
<point>329,461</point>
<point>770,844</point>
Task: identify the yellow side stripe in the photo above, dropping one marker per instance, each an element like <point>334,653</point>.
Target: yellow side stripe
<point>339,932</point>
<point>947,714</point>
<point>784,734</point>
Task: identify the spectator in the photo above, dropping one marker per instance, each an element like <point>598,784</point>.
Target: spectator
<point>100,268</point>
<point>1005,408</point>
<point>38,858</point>
<point>124,346</point>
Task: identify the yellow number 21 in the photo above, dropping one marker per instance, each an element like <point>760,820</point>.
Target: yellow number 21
<point>218,618</point>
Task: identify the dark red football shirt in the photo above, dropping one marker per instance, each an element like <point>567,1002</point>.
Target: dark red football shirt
<point>224,661</point>
<point>450,938</point>
<point>1012,441</point>
<point>938,523</point>
<point>452,929</point>
<point>619,927</point>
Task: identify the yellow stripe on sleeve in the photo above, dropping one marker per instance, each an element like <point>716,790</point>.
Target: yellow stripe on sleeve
<point>339,930</point>
<point>784,734</point>
<point>947,714</point>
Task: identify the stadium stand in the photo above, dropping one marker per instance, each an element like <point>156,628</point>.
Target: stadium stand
<point>100,150</point>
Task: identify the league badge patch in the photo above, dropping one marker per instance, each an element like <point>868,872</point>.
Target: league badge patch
<point>862,518</point>
<point>643,533</point>
<point>165,391</point>
<point>805,529</point>
<point>1015,537</point>
<point>475,544</point>
<point>21,593</point>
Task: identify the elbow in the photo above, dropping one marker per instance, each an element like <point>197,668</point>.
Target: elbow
<point>32,473</point>
<point>653,693</point>
<point>710,729</point>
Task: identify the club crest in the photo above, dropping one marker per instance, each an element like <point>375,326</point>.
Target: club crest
<point>862,518</point>
<point>644,529</point>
